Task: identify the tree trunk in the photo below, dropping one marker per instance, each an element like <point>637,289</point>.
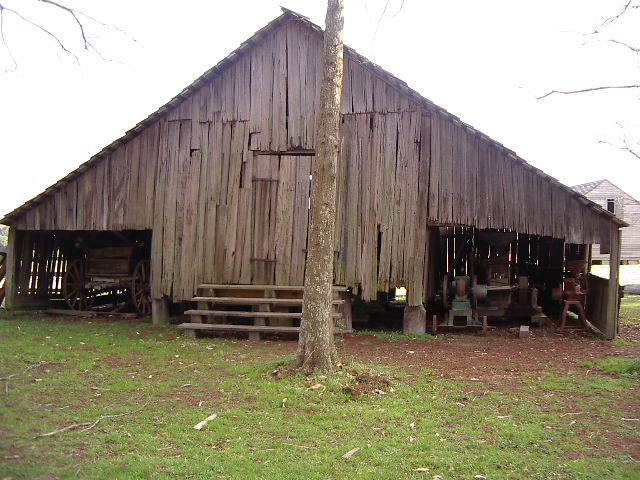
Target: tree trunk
<point>316,347</point>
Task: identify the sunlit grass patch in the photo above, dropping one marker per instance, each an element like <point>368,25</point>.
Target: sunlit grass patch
<point>630,310</point>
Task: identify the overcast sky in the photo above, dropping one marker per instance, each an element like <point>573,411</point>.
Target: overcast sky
<point>484,61</point>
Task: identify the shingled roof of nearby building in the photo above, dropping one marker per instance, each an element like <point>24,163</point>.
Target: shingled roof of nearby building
<point>585,188</point>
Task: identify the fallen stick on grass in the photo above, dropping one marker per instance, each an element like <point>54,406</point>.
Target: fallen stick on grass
<point>70,427</point>
<point>86,426</point>
<point>205,421</point>
<point>350,453</point>
<point>31,367</point>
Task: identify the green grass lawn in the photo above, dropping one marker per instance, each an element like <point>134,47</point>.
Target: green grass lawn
<point>132,393</point>
<point>630,310</point>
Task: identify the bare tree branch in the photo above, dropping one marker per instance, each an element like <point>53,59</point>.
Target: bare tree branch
<point>626,148</point>
<point>39,27</point>
<point>4,40</point>
<point>77,18</point>
<point>584,90</point>
<point>635,50</point>
<point>399,10</point>
<point>609,21</point>
<point>384,10</point>
<point>630,47</point>
<point>74,14</point>
<point>625,142</point>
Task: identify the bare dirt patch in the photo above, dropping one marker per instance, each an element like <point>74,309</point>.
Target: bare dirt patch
<point>499,355</point>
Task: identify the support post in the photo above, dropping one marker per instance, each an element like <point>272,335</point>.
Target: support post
<point>10,275</point>
<point>415,320</point>
<point>613,300</point>
<point>345,309</point>
<point>160,311</point>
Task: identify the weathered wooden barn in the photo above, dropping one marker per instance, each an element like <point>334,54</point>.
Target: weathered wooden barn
<point>625,207</point>
<point>213,188</point>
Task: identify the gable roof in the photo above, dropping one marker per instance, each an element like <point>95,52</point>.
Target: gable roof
<point>244,48</point>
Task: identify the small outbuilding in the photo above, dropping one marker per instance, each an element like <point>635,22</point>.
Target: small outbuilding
<point>212,191</point>
<point>623,206</point>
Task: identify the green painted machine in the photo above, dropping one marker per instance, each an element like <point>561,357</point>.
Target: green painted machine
<point>466,295</point>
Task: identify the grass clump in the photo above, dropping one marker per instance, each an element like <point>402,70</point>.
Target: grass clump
<point>628,367</point>
<point>395,335</point>
<point>630,310</point>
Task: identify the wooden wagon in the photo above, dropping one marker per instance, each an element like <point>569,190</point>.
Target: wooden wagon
<point>116,275</point>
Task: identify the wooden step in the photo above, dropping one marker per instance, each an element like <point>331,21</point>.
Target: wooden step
<point>216,327</point>
<point>232,313</point>
<point>288,288</point>
<point>289,302</point>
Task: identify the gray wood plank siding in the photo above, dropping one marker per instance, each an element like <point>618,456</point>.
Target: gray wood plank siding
<point>222,178</point>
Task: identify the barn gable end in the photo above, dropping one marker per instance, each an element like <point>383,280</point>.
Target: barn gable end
<point>220,177</point>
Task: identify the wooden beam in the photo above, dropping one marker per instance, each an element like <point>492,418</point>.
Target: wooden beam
<point>611,328</point>
<point>257,301</point>
<point>233,313</point>
<point>246,328</point>
<point>336,288</point>
<point>10,275</point>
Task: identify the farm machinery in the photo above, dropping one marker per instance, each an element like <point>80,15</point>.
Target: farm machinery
<point>500,294</point>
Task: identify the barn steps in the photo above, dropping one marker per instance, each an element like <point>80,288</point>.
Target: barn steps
<point>273,309</point>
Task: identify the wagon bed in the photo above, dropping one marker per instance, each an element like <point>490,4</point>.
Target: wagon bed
<point>108,272</point>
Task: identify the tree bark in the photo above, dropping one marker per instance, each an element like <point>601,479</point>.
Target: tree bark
<point>316,347</point>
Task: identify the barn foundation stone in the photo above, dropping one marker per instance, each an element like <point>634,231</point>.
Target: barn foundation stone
<point>415,320</point>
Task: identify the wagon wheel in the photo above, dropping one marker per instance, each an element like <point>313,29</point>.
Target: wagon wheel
<point>141,287</point>
<point>77,296</point>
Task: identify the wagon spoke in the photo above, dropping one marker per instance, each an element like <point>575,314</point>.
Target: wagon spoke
<point>75,293</point>
<point>140,287</point>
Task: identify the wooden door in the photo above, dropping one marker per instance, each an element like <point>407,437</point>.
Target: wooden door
<point>281,187</point>
<point>265,194</point>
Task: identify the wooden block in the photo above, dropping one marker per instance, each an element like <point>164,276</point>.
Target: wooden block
<point>415,320</point>
<point>160,311</point>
